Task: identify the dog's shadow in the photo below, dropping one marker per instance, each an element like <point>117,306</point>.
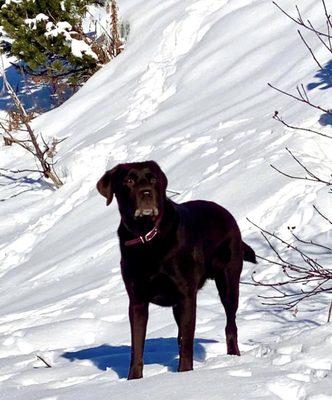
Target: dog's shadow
<point>162,351</point>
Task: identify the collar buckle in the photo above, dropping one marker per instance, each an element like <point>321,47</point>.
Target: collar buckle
<point>144,238</point>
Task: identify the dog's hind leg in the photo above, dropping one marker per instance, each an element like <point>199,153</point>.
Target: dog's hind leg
<point>227,272</point>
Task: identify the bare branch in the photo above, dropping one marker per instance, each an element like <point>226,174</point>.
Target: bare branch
<point>31,145</point>
<point>330,312</point>
<point>20,171</point>
<point>278,118</point>
<point>328,17</point>
<point>301,99</point>
<point>300,20</point>
<point>313,177</point>
<point>312,272</point>
<point>327,46</point>
<point>309,48</point>
<point>44,361</point>
<point>310,242</point>
<point>322,215</point>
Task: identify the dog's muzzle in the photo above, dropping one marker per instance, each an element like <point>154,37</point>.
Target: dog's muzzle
<point>146,204</point>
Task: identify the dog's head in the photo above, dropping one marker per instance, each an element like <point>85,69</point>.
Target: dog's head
<point>140,189</point>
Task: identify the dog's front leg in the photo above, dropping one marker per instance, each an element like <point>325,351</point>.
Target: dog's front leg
<point>185,316</point>
<point>138,315</point>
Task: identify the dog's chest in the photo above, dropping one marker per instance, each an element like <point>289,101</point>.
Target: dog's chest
<point>162,290</point>
<point>161,280</point>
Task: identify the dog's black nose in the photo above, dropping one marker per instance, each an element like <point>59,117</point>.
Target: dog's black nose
<point>146,192</point>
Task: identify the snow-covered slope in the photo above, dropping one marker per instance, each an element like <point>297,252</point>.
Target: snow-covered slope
<point>189,91</point>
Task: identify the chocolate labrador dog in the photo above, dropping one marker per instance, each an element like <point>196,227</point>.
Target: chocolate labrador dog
<point>168,251</point>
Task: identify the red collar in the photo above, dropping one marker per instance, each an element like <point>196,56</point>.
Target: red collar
<point>144,238</point>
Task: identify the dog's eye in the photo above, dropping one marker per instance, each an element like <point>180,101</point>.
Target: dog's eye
<point>153,180</point>
<point>130,181</point>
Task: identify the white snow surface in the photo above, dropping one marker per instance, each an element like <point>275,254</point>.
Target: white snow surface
<point>189,91</point>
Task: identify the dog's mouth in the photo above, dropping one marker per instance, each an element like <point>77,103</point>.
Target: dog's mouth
<point>142,212</point>
<point>146,203</point>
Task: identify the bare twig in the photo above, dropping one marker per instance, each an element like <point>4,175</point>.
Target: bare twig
<point>309,48</point>
<point>327,15</point>
<point>31,145</point>
<point>322,215</point>
<point>311,242</point>
<point>300,21</point>
<point>326,45</point>
<point>311,272</point>
<point>330,312</point>
<point>44,361</point>
<point>305,276</point>
<point>303,98</point>
<point>19,171</point>
<point>312,177</point>
<point>278,118</point>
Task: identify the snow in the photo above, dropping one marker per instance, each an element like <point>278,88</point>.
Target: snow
<point>78,47</point>
<point>189,91</point>
<point>8,2</point>
<point>32,22</point>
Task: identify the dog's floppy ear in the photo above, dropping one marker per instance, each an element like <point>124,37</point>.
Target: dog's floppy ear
<point>105,185</point>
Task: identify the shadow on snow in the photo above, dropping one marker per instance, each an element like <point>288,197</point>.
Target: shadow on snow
<point>34,96</point>
<point>324,82</point>
<point>162,351</point>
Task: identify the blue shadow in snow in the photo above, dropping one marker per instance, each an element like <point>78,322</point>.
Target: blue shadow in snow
<point>324,77</point>
<point>324,82</point>
<point>162,351</point>
<point>36,96</point>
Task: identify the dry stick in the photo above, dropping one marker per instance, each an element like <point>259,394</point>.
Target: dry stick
<point>301,296</point>
<point>102,27</point>
<point>47,170</point>
<point>284,262</point>
<point>288,245</point>
<point>298,296</point>
<point>310,50</point>
<point>329,33</point>
<point>294,176</point>
<point>300,21</point>
<point>322,215</point>
<point>328,47</point>
<point>310,242</point>
<point>44,361</point>
<point>315,272</point>
<point>328,17</point>
<point>115,29</point>
<point>313,177</point>
<point>19,171</point>
<point>330,312</point>
<point>307,170</point>
<point>277,117</point>
<point>304,95</point>
<point>301,99</point>
<point>19,142</point>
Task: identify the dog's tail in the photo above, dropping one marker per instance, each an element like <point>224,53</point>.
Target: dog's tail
<point>248,253</point>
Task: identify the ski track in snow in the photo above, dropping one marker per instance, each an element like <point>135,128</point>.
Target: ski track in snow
<point>63,297</point>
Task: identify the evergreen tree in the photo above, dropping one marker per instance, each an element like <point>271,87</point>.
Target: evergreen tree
<point>47,36</point>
